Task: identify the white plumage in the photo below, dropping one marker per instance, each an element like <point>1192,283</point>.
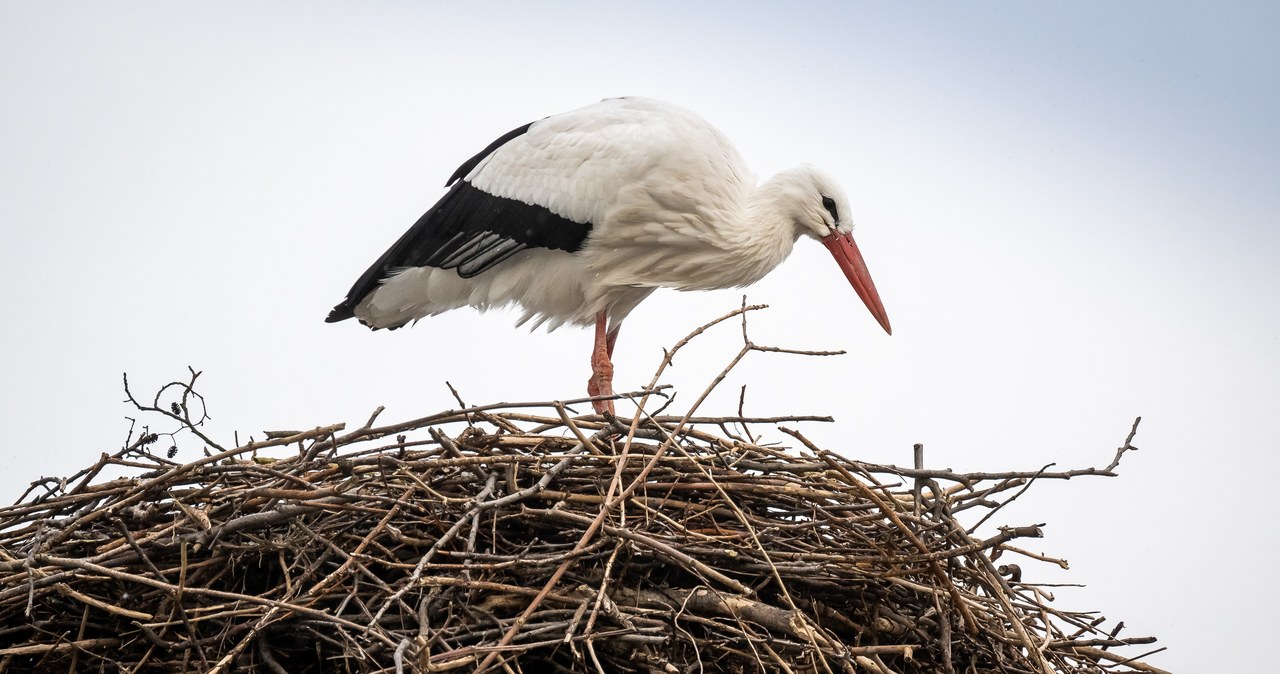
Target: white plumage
<point>577,217</point>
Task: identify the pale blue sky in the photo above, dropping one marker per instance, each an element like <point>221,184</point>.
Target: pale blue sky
<point>1071,211</point>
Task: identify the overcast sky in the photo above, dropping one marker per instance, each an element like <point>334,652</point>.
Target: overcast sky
<point>1071,212</point>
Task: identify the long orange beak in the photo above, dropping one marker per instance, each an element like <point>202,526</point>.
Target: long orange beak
<point>845,251</point>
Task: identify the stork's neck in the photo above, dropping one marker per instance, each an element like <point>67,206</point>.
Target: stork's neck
<point>729,241</point>
<point>765,231</point>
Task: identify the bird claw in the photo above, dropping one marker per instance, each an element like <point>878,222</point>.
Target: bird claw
<point>598,386</point>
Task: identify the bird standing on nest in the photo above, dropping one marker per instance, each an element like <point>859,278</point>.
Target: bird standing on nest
<point>577,217</point>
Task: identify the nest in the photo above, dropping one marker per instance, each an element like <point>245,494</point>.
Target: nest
<point>524,539</point>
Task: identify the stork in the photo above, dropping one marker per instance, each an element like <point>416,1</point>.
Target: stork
<point>577,217</point>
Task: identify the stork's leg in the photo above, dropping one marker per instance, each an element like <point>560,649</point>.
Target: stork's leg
<point>601,381</point>
<point>612,339</point>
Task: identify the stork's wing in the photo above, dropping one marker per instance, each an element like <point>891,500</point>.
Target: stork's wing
<point>469,230</point>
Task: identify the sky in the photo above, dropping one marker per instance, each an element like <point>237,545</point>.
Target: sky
<point>1071,211</point>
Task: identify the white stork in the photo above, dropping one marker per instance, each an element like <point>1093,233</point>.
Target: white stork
<point>577,217</point>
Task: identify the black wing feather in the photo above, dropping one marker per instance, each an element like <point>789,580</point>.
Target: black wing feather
<point>469,231</point>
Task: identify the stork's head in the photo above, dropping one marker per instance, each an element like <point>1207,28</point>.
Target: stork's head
<point>817,207</point>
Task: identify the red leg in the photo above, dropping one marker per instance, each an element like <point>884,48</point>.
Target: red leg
<point>612,339</point>
<point>601,381</point>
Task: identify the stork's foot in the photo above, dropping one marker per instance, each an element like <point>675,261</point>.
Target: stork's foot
<point>601,384</point>
<point>601,381</point>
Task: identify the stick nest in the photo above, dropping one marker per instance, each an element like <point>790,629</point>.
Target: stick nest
<point>521,539</point>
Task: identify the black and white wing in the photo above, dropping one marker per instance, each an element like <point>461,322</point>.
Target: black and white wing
<point>470,230</point>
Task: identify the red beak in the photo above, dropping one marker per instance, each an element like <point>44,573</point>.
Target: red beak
<point>845,251</point>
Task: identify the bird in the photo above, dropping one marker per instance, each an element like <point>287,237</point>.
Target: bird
<point>576,218</point>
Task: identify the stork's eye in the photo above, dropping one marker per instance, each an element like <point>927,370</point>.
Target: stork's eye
<point>830,204</point>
